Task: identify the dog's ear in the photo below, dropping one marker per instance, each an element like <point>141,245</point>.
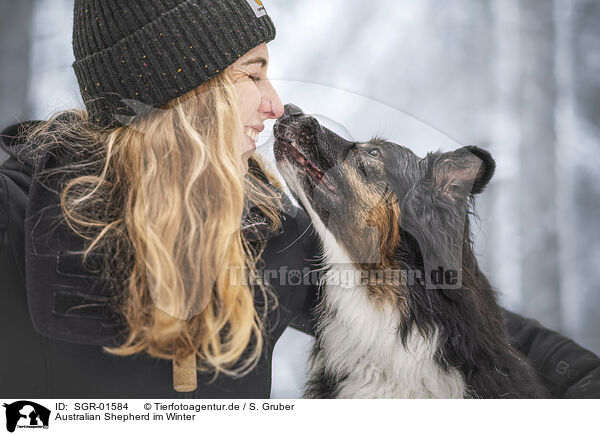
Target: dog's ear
<point>466,170</point>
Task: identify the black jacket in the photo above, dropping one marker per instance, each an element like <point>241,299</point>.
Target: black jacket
<point>53,320</point>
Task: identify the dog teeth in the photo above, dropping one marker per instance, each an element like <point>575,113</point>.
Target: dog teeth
<point>313,170</point>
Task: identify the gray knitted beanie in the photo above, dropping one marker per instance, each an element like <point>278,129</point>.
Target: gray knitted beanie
<point>151,51</point>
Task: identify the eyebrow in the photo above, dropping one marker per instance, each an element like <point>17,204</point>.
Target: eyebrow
<point>260,60</point>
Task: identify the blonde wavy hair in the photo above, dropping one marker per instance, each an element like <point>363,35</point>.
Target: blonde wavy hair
<point>163,199</point>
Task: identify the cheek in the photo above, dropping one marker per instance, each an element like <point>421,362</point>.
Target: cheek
<point>249,100</point>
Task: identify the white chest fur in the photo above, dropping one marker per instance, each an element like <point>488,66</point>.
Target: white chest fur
<point>361,343</point>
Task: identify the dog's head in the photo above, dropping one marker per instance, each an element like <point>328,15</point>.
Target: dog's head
<point>381,202</point>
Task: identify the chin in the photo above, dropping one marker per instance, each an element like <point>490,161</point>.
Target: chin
<point>244,166</point>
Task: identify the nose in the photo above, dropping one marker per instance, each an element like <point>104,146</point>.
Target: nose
<point>271,105</point>
<point>292,110</point>
<point>294,114</point>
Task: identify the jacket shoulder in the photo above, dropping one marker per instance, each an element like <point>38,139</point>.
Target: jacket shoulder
<point>18,172</point>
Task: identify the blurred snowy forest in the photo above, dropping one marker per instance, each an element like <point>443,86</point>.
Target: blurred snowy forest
<point>520,78</point>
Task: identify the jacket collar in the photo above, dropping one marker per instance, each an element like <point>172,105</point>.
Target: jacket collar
<point>13,143</point>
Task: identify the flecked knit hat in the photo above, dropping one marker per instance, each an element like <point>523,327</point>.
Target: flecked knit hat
<point>152,51</point>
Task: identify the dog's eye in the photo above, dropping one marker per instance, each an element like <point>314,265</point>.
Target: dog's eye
<point>374,152</point>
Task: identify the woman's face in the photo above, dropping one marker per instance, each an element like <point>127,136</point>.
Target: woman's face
<point>258,100</point>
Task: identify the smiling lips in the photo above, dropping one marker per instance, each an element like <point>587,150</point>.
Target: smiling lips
<point>317,175</point>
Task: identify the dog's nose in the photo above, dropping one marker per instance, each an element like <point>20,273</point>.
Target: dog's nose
<point>292,110</point>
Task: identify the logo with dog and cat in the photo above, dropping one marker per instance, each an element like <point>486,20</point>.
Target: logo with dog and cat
<point>25,414</point>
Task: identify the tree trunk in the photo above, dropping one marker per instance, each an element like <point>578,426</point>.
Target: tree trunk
<point>540,277</point>
<point>15,30</point>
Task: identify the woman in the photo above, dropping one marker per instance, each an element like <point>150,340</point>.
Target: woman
<point>164,197</point>
<point>129,282</point>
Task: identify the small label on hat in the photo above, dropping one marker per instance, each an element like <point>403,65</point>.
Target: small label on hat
<point>257,7</point>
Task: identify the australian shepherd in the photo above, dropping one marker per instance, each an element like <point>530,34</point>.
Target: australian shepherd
<point>405,311</point>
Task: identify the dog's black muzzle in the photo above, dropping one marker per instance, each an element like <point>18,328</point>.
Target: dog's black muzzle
<point>309,137</point>
<point>300,139</point>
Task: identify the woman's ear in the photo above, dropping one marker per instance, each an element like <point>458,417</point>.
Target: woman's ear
<point>468,170</point>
